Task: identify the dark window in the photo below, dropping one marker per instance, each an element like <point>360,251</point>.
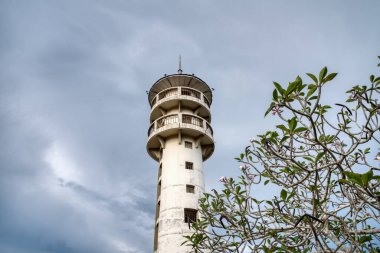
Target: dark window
<point>159,189</point>
<point>190,215</point>
<point>188,144</point>
<point>156,237</point>
<point>160,171</point>
<point>158,210</point>
<point>190,188</point>
<point>189,165</point>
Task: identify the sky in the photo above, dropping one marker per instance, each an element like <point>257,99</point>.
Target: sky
<point>74,172</point>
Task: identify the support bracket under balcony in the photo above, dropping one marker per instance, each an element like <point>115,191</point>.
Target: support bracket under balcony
<point>162,110</point>
<point>206,149</point>
<point>198,141</point>
<point>156,153</point>
<point>196,111</point>
<point>162,141</point>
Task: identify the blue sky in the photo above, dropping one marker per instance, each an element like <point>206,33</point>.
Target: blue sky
<point>74,173</point>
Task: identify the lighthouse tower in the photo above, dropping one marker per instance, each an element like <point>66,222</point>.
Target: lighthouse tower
<point>180,138</point>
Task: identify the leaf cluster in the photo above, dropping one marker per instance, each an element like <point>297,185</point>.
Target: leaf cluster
<point>324,168</point>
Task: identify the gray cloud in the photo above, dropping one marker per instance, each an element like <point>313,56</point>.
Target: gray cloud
<point>74,173</point>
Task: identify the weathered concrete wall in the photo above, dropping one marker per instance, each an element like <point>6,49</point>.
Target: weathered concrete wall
<point>174,198</point>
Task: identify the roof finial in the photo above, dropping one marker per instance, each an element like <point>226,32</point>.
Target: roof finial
<point>180,65</point>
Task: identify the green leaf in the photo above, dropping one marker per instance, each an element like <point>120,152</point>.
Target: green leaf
<point>284,139</point>
<point>283,128</point>
<point>308,158</point>
<point>354,177</point>
<point>319,156</point>
<point>322,74</point>
<point>238,188</point>
<point>284,194</point>
<point>266,182</point>
<point>300,129</point>
<point>313,97</point>
<point>343,181</point>
<point>313,77</point>
<point>312,88</point>
<point>279,88</point>
<point>269,109</point>
<point>275,95</point>
<point>313,187</point>
<point>366,177</point>
<point>293,85</point>
<point>365,238</point>
<point>360,179</point>
<point>292,124</point>
<point>330,77</point>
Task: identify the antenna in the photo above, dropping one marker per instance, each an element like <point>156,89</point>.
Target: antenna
<point>180,65</point>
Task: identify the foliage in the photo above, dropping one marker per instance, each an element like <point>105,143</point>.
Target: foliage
<point>322,165</point>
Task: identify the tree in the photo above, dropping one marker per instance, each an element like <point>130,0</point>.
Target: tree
<point>321,163</point>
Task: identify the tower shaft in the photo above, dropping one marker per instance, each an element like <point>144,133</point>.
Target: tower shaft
<point>180,138</point>
<point>182,184</point>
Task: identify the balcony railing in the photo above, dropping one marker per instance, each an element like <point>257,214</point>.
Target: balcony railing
<point>206,101</point>
<point>151,129</point>
<point>189,119</point>
<point>190,92</point>
<point>167,93</point>
<point>181,120</point>
<point>209,129</point>
<point>184,91</point>
<point>167,120</point>
<point>154,101</point>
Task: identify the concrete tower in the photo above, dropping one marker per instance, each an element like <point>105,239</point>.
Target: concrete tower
<point>180,138</point>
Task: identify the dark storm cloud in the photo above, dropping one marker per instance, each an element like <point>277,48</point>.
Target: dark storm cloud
<point>74,175</point>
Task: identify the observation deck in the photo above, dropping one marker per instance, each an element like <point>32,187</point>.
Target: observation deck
<point>188,98</point>
<point>180,106</point>
<point>183,80</point>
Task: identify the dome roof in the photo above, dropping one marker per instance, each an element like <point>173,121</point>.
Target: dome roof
<point>176,80</point>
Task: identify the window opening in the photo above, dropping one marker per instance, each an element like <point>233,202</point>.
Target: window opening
<point>190,188</point>
<point>159,189</point>
<point>189,165</point>
<point>156,238</point>
<point>160,170</point>
<point>190,215</point>
<point>158,207</point>
<point>188,144</point>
